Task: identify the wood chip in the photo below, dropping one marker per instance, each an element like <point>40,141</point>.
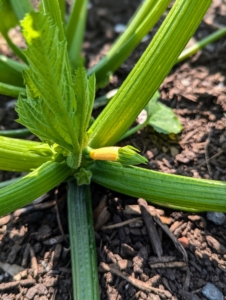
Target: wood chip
<point>34,263</point>
<point>214,244</point>
<point>151,229</point>
<point>178,246</point>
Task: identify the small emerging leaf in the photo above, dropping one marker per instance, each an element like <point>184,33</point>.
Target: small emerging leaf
<point>83,176</point>
<point>163,118</point>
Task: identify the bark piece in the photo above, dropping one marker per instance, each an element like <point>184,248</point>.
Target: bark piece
<point>151,229</point>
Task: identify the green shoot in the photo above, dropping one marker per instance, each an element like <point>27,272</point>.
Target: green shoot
<point>11,90</point>
<point>201,44</point>
<point>75,32</point>
<point>148,74</point>
<point>15,132</point>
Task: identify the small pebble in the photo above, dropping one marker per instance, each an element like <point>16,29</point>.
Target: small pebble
<point>211,292</point>
<point>217,218</point>
<point>119,28</point>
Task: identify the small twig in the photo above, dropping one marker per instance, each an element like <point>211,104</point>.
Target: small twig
<point>54,294</point>
<point>163,259</point>
<point>56,254</point>
<point>214,156</point>
<point>135,282</point>
<point>173,264</point>
<point>189,135</point>
<point>25,256</point>
<point>206,152</point>
<point>34,263</point>
<point>121,224</point>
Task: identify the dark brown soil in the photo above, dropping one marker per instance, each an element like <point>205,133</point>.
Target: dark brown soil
<point>131,265</point>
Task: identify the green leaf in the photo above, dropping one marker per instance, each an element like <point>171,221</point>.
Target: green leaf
<point>162,118</point>
<point>84,93</point>
<point>50,108</point>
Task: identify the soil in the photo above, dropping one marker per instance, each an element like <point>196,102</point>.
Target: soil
<point>189,250</point>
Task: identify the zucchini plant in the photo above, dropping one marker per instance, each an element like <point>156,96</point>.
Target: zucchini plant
<point>56,98</point>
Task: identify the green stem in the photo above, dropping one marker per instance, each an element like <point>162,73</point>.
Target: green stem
<point>103,100</point>
<point>15,132</point>
<point>16,155</point>
<point>32,186</point>
<point>133,130</point>
<point>82,242</point>
<point>75,32</point>
<point>148,73</point>
<point>173,191</point>
<point>18,66</point>
<point>201,44</point>
<point>11,90</point>
<point>15,49</point>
